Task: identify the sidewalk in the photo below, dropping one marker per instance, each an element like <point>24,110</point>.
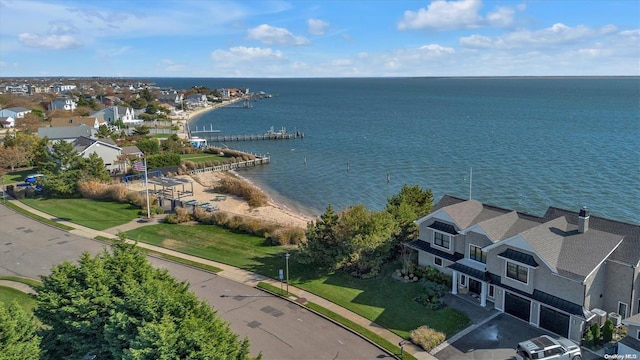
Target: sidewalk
<point>235,274</point>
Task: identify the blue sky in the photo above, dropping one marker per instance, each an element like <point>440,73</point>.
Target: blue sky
<point>324,38</point>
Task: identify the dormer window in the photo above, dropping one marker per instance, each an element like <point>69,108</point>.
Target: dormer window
<point>441,239</point>
<point>476,253</point>
<point>518,272</point>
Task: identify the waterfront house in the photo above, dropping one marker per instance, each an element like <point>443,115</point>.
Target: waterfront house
<point>560,271</point>
<point>173,98</point>
<point>15,112</point>
<point>116,113</point>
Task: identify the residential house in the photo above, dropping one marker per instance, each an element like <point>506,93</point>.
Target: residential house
<point>116,113</point>
<point>67,133</point>
<point>111,100</point>
<point>77,120</point>
<point>7,121</point>
<point>557,271</point>
<point>63,103</point>
<point>629,346</point>
<point>172,98</point>
<point>63,88</point>
<point>39,89</point>
<point>15,112</point>
<point>197,100</point>
<point>106,149</point>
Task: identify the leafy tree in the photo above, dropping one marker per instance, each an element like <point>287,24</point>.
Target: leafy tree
<point>116,305</point>
<point>29,144</point>
<point>410,204</point>
<point>174,144</point>
<point>93,168</point>
<point>152,108</point>
<point>162,160</point>
<point>356,240</point>
<point>139,103</point>
<point>595,332</point>
<point>12,157</point>
<point>322,245</point>
<point>104,132</point>
<point>148,146</point>
<point>141,130</point>
<point>61,170</point>
<point>30,122</point>
<point>146,95</point>
<point>18,339</point>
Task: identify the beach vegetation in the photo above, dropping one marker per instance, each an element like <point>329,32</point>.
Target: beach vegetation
<point>235,186</point>
<point>117,305</point>
<point>162,160</point>
<point>148,146</point>
<point>18,328</point>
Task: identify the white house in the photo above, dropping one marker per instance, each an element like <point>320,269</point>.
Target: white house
<point>116,113</point>
<point>63,103</point>
<point>7,121</point>
<point>14,112</point>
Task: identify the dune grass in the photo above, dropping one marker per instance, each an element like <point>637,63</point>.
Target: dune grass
<point>98,215</point>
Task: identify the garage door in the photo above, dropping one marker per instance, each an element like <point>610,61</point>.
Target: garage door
<point>517,306</point>
<point>554,321</point>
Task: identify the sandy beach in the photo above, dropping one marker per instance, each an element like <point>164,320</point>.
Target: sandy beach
<point>203,192</point>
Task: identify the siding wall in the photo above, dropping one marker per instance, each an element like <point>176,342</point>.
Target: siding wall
<point>619,280</point>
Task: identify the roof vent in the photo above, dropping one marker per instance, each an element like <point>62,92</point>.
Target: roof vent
<point>583,220</point>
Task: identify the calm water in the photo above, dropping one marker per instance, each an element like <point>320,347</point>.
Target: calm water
<point>532,143</point>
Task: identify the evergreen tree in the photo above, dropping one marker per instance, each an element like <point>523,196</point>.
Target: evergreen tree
<point>116,305</point>
<point>18,339</point>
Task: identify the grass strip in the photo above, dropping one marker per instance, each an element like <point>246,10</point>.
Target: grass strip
<point>274,289</point>
<point>167,256</point>
<point>38,218</point>
<point>31,282</point>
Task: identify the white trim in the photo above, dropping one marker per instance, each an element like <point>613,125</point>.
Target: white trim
<point>441,261</point>
<point>601,262</point>
<point>502,293</point>
<point>626,308</point>
<point>517,264</point>
<point>536,316</point>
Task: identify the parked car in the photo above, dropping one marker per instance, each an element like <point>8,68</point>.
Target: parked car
<point>547,348</point>
<point>30,179</point>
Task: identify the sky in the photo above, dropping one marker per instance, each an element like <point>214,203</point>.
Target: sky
<point>323,38</point>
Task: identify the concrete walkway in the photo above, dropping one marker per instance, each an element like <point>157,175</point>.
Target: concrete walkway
<point>235,274</point>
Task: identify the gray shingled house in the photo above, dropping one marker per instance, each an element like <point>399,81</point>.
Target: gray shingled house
<point>561,271</point>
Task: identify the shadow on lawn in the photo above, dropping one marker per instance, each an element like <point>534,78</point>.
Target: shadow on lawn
<point>385,301</point>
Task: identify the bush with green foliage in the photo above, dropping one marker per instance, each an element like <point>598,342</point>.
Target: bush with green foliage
<point>595,332</point>
<point>162,160</point>
<point>607,331</point>
<point>427,338</point>
<point>116,305</point>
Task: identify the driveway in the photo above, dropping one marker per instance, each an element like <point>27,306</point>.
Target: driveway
<point>275,327</point>
<point>496,339</point>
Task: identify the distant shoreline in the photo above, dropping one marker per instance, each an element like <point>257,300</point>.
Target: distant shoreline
<point>193,115</point>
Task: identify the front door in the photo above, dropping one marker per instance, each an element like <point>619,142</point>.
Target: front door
<point>475,286</point>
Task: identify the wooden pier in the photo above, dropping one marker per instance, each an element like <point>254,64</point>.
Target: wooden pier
<point>267,136</point>
<point>261,160</point>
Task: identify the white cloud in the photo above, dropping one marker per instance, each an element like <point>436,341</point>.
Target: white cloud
<point>171,66</point>
<point>503,16</point>
<point>271,35</point>
<point>51,41</point>
<point>317,26</point>
<point>242,53</point>
<point>442,14</point>
<point>434,49</point>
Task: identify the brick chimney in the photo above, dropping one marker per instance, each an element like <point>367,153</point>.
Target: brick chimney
<point>583,220</point>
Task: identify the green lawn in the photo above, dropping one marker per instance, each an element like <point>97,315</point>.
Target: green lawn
<point>383,300</point>
<point>93,214</point>
<point>7,295</point>
<point>18,176</point>
<point>201,157</point>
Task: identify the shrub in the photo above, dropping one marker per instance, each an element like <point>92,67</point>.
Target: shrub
<point>595,331</point>
<point>287,236</point>
<point>94,190</point>
<point>427,338</point>
<point>588,338</point>
<point>607,331</point>
<point>235,186</point>
<point>118,193</point>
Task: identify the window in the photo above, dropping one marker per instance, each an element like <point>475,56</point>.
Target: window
<point>517,272</point>
<point>638,335</point>
<point>622,309</point>
<point>441,240</point>
<point>552,352</point>
<point>437,261</point>
<point>491,290</point>
<point>463,280</point>
<point>476,253</point>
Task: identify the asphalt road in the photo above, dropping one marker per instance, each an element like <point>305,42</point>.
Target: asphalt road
<point>275,327</point>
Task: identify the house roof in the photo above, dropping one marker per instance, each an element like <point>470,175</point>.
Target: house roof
<point>519,256</point>
<point>82,143</point>
<point>507,225</point>
<point>628,252</point>
<point>73,121</point>
<point>425,246</point>
<point>131,150</point>
<point>632,320</point>
<point>66,132</point>
<point>568,252</point>
<point>18,109</point>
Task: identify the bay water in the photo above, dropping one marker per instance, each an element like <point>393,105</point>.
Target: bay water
<point>519,143</point>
